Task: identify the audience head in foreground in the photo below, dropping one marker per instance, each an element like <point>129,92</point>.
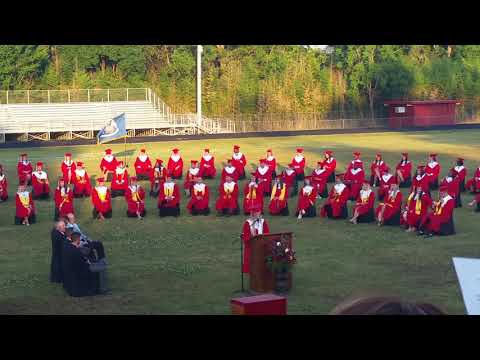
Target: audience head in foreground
<point>384,305</point>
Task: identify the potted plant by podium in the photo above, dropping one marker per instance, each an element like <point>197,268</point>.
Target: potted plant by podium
<point>280,261</point>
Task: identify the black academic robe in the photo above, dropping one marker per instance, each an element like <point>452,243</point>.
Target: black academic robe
<point>78,280</point>
<point>58,241</point>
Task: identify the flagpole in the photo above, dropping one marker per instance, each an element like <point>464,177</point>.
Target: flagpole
<point>125,150</point>
<point>199,84</point>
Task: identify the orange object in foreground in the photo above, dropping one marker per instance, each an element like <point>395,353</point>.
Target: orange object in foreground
<point>267,304</point>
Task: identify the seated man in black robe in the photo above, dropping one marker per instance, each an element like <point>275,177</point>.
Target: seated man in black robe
<point>92,249</point>
<point>58,240</point>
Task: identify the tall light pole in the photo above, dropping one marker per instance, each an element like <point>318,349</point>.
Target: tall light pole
<point>199,83</point>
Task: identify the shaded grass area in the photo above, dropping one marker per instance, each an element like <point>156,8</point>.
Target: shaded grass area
<point>190,265</point>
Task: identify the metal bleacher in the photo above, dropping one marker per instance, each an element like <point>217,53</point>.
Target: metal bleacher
<point>45,118</point>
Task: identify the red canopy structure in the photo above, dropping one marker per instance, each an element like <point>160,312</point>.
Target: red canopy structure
<point>404,113</point>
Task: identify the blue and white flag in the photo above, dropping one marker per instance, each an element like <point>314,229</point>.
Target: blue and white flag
<point>116,129</point>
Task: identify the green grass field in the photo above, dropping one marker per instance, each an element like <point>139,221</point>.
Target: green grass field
<point>190,265</point>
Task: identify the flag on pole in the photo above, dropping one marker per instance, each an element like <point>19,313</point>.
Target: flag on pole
<point>116,129</point>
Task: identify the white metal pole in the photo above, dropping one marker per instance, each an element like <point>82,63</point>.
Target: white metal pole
<point>199,83</point>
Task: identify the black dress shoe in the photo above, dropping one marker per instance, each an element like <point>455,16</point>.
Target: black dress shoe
<point>420,233</point>
<point>428,235</point>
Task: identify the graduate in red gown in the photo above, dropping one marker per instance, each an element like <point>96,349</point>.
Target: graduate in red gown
<point>473,184</point>
<point>24,170</point>
<point>319,179</point>
<point>421,180</point>
<point>356,160</point>
<point>289,177</point>
<point>25,213</point>
<point>230,170</point>
<point>330,164</point>
<point>439,221</point>
<point>389,211</point>
<point>175,164</point>
<point>264,177</point>
<point>81,182</point>
<point>192,172</point>
<point>254,225</point>
<point>198,203</point>
<point>461,172</point>
<point>354,179</point>
<point>451,184</point>
<point>299,162</point>
<point>239,161</point>
<point>63,199</point>
<point>363,209</point>
<point>108,164</point>
<point>306,200</point>
<point>143,165</point>
<point>403,172</point>
<point>279,198</point>
<point>157,177</point>
<point>3,185</point>
<point>415,209</point>
<point>227,202</point>
<point>376,170</point>
<point>252,196</point>
<point>135,197</point>
<point>169,198</point>
<point>68,169</point>
<point>386,180</point>
<point>40,183</point>
<point>271,162</point>
<point>433,171</point>
<point>101,200</point>
<point>336,205</point>
<point>207,165</point>
<point>120,180</point>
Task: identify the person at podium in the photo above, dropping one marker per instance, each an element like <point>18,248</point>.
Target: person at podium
<point>253,226</point>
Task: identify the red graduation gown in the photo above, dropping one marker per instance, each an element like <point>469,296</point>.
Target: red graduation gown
<point>64,203</point>
<point>135,199</point>
<point>461,172</point>
<point>199,199</point>
<point>40,186</point>
<point>109,166</point>
<point>4,188</point>
<point>319,180</point>
<point>278,199</point>
<point>422,181</point>
<point>143,167</point>
<point>453,187</point>
<point>248,232</point>
<point>20,210</point>
<point>473,184</point>
<point>432,173</point>
<point>175,168</point>
<point>239,162</point>
<point>337,201</point>
<point>68,171</point>
<point>405,168</point>
<point>227,199</point>
<point>162,200</point>
<point>157,177</point>
<point>385,183</point>
<point>264,180</point>
<point>99,205</point>
<point>289,180</point>
<point>299,166</point>
<point>253,198</point>
<point>24,170</point>
<point>350,165</point>
<point>380,166</point>
<point>207,167</point>
<point>411,213</point>
<point>363,205</point>
<point>392,204</point>
<point>440,215</point>
<point>306,200</point>
<point>189,178</point>
<point>81,183</point>
<point>272,164</point>
<point>120,181</point>
<point>330,165</point>
<point>235,175</point>
<point>354,181</point>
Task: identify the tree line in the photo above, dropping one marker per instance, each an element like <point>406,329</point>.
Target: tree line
<point>349,81</point>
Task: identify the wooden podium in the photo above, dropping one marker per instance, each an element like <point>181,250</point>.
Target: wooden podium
<point>262,280</point>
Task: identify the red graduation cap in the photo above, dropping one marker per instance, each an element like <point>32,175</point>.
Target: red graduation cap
<point>120,163</point>
<point>206,150</point>
<point>356,153</point>
<point>80,164</point>
<point>193,162</point>
<point>68,154</point>
<point>269,150</point>
<point>108,151</point>
<point>39,164</point>
<point>340,176</point>
<point>253,174</point>
<point>379,155</point>
<point>460,159</point>
<point>405,154</point>
<point>329,152</point>
<point>159,161</point>
<point>421,167</point>
<point>236,147</point>
<point>262,161</point>
<point>229,161</point>
<point>175,150</point>
<point>143,150</point>
<point>101,180</point>
<point>434,156</point>
<point>23,155</point>
<point>299,150</point>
